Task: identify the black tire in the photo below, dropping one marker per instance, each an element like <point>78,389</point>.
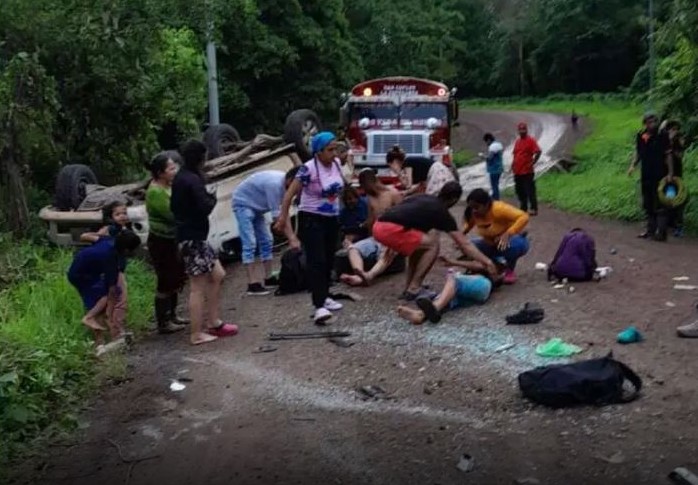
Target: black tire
<point>217,137</point>
<point>71,186</point>
<point>299,129</point>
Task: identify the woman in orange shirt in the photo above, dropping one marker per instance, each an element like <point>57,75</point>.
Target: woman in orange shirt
<point>501,227</point>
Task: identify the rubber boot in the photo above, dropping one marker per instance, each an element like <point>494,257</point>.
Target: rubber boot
<point>162,316</point>
<point>174,298</point>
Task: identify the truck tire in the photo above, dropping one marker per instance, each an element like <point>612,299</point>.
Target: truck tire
<point>71,186</point>
<point>217,137</point>
<point>300,127</point>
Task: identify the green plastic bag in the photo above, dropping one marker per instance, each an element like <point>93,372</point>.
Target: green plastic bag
<point>556,347</point>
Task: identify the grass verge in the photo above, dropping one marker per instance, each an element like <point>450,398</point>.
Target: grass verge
<point>47,365</point>
<point>599,184</point>
<point>464,157</point>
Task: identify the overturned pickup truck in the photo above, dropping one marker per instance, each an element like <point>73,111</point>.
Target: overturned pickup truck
<point>79,198</point>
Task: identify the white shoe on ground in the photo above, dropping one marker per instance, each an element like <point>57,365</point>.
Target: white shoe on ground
<point>688,331</point>
<point>332,305</point>
<point>321,316</point>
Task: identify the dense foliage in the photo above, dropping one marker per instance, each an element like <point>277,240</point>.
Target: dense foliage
<point>112,80</point>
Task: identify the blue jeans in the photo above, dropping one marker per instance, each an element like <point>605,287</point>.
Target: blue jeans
<point>254,231</point>
<point>518,247</point>
<point>494,182</point>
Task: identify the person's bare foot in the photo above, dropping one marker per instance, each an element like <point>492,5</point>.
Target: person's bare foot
<point>93,324</point>
<point>202,338</point>
<point>351,280</point>
<point>415,317</point>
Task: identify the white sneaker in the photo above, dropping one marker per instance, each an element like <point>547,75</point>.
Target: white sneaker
<point>321,316</point>
<point>688,331</point>
<point>332,305</point>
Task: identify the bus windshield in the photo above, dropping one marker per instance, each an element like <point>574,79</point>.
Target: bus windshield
<point>424,111</point>
<point>375,112</point>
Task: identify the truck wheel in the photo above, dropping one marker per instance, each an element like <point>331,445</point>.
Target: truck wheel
<point>218,140</point>
<point>71,186</point>
<point>300,127</point>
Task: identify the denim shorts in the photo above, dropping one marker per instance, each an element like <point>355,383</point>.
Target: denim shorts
<point>254,231</point>
<point>471,290</point>
<point>368,248</point>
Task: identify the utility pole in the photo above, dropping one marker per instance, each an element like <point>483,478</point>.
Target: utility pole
<point>212,72</point>
<point>650,41</point>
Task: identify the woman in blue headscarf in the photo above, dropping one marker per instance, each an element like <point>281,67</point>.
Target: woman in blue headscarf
<point>320,183</point>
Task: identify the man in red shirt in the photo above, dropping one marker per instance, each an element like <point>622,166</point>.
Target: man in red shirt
<point>526,154</point>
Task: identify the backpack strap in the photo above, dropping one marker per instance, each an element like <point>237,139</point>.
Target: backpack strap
<point>634,379</point>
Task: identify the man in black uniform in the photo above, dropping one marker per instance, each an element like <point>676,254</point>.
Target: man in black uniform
<point>653,152</point>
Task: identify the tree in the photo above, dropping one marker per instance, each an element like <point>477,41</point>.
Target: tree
<point>28,110</point>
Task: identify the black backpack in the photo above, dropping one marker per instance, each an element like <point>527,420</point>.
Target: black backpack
<point>292,275</point>
<point>596,381</point>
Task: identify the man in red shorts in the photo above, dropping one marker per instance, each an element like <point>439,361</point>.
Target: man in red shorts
<point>412,229</point>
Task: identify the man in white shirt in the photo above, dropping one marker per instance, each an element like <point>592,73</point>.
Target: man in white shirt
<point>495,162</point>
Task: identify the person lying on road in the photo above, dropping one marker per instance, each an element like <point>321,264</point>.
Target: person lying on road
<point>460,291</point>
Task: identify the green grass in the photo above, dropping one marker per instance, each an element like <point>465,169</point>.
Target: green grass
<point>47,366</point>
<point>464,157</point>
<point>599,184</point>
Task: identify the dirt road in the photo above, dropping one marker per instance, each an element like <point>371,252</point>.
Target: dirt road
<point>293,416</point>
<point>554,134</point>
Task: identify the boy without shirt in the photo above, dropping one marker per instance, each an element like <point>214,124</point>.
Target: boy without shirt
<point>380,199</point>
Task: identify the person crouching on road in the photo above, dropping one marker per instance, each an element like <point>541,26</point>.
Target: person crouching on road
<point>95,275</point>
<point>257,195</point>
<point>320,183</point>
<point>500,226</point>
<point>412,227</point>
<point>353,216</point>
<point>191,205</point>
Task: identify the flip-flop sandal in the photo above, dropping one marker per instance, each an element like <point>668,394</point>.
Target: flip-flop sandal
<point>430,311</point>
<point>409,296</point>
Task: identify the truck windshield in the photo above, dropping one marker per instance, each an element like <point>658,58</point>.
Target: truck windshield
<point>375,112</point>
<point>424,111</point>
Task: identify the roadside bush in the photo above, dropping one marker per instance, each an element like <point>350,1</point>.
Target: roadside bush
<point>46,356</point>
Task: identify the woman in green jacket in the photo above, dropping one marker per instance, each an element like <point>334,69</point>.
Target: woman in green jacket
<point>162,246</point>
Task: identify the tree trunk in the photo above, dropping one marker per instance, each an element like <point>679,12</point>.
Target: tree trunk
<point>16,197</point>
<point>522,75</point>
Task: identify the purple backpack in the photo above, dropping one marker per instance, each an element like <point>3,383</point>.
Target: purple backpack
<point>575,258</point>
